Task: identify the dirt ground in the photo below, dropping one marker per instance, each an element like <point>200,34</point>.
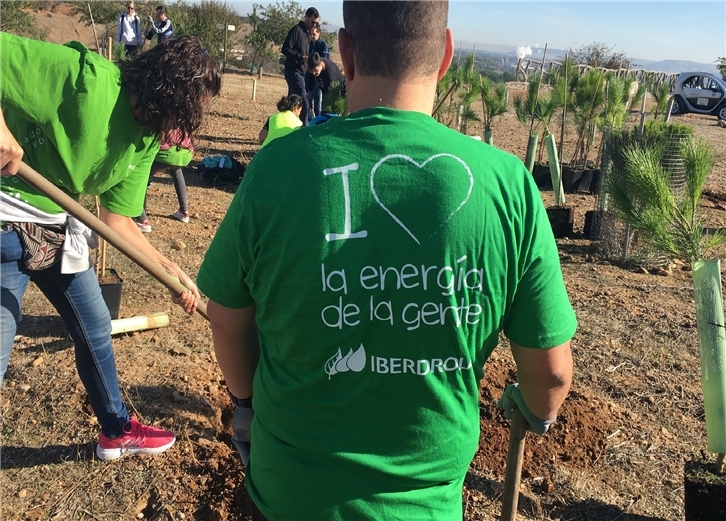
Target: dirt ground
<point>634,416</point>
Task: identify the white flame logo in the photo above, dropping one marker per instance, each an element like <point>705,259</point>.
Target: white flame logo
<point>353,361</point>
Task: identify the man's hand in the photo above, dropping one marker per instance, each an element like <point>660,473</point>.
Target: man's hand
<point>242,436</point>
<point>11,153</point>
<point>511,398</point>
<point>151,19</point>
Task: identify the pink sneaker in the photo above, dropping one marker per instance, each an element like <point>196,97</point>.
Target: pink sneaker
<point>137,438</point>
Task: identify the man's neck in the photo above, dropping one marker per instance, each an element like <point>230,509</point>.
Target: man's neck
<point>367,92</point>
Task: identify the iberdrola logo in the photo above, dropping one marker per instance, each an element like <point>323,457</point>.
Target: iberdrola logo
<point>353,361</point>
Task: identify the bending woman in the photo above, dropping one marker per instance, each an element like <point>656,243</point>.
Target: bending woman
<point>89,127</point>
<point>284,122</point>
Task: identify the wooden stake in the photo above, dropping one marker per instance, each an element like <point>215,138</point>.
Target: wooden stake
<point>254,89</point>
<point>110,48</point>
<point>515,458</point>
<point>564,110</point>
<point>90,13</point>
<point>139,323</point>
<point>536,96</point>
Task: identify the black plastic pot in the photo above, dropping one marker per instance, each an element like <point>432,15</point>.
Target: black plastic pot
<point>704,492</point>
<point>541,176</point>
<point>570,179</point>
<point>561,219</point>
<point>111,285</point>
<point>591,230</point>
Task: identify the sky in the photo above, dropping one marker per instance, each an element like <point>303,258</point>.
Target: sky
<point>651,30</point>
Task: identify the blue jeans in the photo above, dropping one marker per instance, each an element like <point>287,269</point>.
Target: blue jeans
<point>77,298</point>
<point>296,85</point>
<point>317,97</point>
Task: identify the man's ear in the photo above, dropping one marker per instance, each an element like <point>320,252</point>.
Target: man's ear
<point>347,55</point>
<point>448,54</point>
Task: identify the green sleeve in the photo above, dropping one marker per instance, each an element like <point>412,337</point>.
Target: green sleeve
<point>226,264</point>
<point>540,315</point>
<point>127,197</point>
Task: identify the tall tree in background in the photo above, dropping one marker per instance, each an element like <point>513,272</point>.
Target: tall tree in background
<point>105,15</point>
<point>599,54</point>
<point>270,25</point>
<point>200,20</point>
<point>14,20</point>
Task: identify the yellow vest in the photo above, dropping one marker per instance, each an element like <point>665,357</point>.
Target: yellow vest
<point>281,124</point>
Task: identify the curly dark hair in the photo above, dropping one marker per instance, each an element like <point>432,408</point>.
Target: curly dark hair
<point>171,83</point>
<point>289,102</point>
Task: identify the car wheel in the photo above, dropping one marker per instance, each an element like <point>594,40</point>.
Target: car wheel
<point>678,107</point>
<point>722,112</point>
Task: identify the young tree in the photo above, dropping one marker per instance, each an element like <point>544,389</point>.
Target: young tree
<point>661,95</point>
<point>494,103</point>
<point>599,54</point>
<point>201,19</point>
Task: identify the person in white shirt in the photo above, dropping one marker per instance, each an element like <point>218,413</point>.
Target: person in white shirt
<point>129,30</point>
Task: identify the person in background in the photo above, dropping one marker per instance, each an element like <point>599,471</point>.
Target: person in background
<point>284,122</point>
<point>89,126</point>
<point>361,279</point>
<point>163,27</point>
<point>317,44</point>
<point>296,48</point>
<point>128,31</point>
<point>322,73</point>
<point>175,151</point>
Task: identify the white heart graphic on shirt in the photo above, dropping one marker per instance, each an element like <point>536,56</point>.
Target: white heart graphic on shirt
<point>420,166</point>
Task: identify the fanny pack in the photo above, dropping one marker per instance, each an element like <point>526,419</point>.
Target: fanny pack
<point>42,244</point>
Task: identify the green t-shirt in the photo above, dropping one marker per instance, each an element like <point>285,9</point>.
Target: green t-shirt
<point>385,253</point>
<point>66,107</point>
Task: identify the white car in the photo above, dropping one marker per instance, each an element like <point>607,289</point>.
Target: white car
<point>699,93</point>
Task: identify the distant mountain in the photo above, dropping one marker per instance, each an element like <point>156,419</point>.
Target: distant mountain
<point>673,66</point>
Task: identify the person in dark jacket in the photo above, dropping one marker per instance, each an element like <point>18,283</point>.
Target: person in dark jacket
<point>296,49</point>
<point>163,27</point>
<point>321,74</point>
<point>317,44</point>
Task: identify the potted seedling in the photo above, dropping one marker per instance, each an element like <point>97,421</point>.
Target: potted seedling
<point>536,111</point>
<point>587,102</point>
<point>494,104</point>
<point>671,222</point>
<point>661,96</point>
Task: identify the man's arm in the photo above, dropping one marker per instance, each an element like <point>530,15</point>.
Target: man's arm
<point>291,44</point>
<point>162,28</point>
<point>120,27</point>
<point>236,345</point>
<point>544,377</point>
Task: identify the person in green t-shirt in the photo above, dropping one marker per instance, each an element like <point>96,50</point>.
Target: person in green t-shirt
<point>361,279</point>
<point>89,126</point>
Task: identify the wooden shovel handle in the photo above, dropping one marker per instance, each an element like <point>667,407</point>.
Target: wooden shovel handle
<point>45,187</point>
<point>515,457</point>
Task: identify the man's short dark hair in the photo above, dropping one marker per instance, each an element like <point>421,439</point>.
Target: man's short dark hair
<point>312,13</point>
<point>160,9</point>
<point>397,39</point>
<point>314,60</point>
